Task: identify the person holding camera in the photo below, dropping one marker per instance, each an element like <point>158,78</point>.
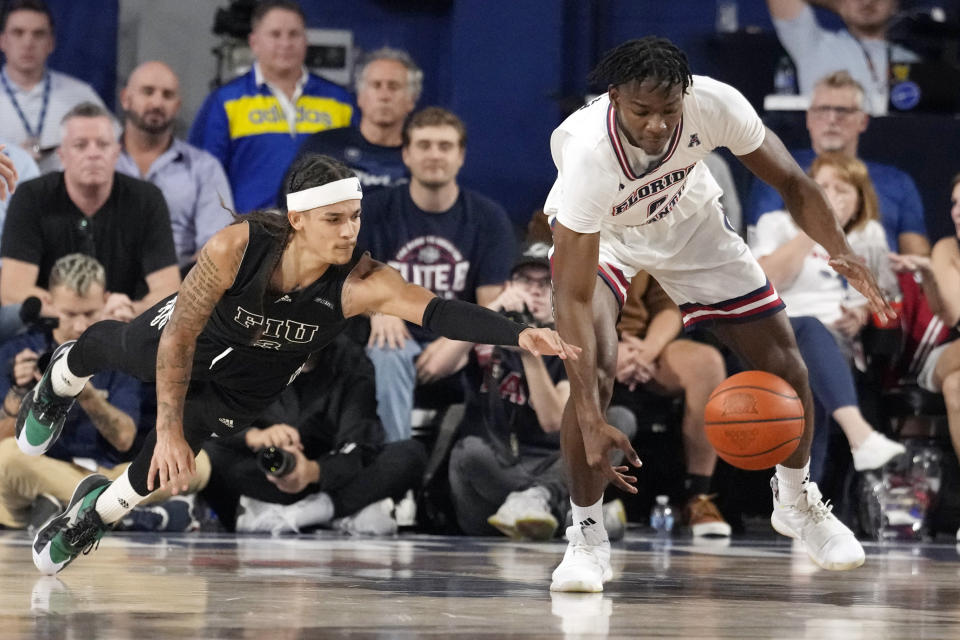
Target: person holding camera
<point>99,434</point>
<point>316,457</point>
<point>266,292</point>
<point>505,472</point>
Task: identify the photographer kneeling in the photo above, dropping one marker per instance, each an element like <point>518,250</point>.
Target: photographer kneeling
<point>506,473</point>
<point>98,434</point>
<point>326,425</point>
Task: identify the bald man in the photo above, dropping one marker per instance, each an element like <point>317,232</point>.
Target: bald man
<point>192,181</point>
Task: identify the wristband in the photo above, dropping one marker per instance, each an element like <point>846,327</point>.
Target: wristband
<point>460,320</point>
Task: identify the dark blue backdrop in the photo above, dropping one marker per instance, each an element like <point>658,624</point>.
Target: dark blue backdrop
<point>511,69</point>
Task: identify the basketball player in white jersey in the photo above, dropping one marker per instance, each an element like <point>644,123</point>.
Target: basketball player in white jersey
<point>631,194</point>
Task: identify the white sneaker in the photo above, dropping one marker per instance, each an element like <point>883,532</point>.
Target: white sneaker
<point>373,520</point>
<point>525,515</point>
<point>828,542</point>
<point>586,563</point>
<point>876,451</point>
<point>256,516</point>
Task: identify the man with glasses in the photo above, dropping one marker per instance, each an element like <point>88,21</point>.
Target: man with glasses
<point>506,474</point>
<point>89,208</point>
<point>835,120</point>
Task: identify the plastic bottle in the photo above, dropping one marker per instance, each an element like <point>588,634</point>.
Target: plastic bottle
<point>661,516</point>
<point>785,77</point>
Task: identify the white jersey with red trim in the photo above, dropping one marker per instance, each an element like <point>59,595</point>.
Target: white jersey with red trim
<point>604,180</point>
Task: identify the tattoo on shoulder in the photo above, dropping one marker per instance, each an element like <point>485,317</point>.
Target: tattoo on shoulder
<point>199,293</point>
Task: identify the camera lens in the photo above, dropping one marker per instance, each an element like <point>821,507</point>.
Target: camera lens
<point>276,462</point>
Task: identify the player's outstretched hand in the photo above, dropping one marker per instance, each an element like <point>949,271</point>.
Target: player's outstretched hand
<point>173,462</point>
<point>860,277</point>
<point>598,442</point>
<point>547,342</point>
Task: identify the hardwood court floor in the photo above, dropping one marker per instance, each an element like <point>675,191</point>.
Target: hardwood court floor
<point>218,586</point>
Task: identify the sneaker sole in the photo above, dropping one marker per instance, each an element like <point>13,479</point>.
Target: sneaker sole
<point>829,566</point>
<point>537,528</point>
<point>506,529</point>
<point>26,406</point>
<point>718,529</point>
<point>576,586</point>
<point>41,558</point>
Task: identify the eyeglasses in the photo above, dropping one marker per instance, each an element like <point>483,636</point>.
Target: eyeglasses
<point>540,283</point>
<point>824,111</point>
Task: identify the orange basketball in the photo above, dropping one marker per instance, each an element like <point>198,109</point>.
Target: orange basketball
<point>754,420</point>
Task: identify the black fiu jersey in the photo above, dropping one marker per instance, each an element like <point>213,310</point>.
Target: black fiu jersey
<point>256,340</point>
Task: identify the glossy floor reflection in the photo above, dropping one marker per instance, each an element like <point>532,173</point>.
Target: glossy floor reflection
<point>203,586</point>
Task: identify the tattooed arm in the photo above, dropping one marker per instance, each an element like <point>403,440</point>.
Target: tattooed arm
<point>203,287</point>
<point>115,425</point>
<point>373,287</point>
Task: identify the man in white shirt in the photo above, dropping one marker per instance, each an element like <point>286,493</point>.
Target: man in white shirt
<point>34,99</point>
<point>862,48</point>
<point>632,194</point>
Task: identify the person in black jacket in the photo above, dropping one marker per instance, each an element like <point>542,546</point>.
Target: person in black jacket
<point>327,421</point>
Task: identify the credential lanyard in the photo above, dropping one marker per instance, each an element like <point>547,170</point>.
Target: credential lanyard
<point>35,137</point>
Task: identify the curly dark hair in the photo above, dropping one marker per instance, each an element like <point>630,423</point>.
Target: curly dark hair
<point>649,58</point>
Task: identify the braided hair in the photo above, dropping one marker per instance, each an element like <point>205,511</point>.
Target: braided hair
<point>649,58</point>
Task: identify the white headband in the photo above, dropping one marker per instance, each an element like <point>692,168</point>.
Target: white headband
<point>337,191</point>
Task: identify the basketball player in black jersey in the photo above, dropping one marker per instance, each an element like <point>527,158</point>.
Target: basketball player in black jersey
<point>264,294</point>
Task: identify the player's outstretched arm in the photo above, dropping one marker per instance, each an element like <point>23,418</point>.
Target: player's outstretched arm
<point>373,287</point>
<point>772,163</point>
<point>214,272</point>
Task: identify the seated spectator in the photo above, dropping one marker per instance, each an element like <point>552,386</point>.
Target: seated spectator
<point>192,181</point>
<point>817,297</point>
<point>507,472</point>
<point>343,473</point>
<point>835,120</point>
<point>651,355</point>
<point>388,87</point>
<point>453,241</point>
<point>254,124</point>
<point>99,433</point>
<point>35,98</point>
<point>862,48</point>
<point>91,209</point>
<point>940,278</point>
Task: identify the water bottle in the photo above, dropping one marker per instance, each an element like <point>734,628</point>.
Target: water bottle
<point>661,516</point>
<point>785,77</point>
<point>926,469</point>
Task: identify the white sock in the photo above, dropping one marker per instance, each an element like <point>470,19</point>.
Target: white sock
<point>118,499</point>
<point>791,482</point>
<point>66,384</point>
<point>588,516</point>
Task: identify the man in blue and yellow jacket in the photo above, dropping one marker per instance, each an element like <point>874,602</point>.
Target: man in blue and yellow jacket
<point>255,124</point>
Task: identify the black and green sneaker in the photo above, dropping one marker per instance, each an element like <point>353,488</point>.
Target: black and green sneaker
<point>42,412</point>
<point>75,531</point>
